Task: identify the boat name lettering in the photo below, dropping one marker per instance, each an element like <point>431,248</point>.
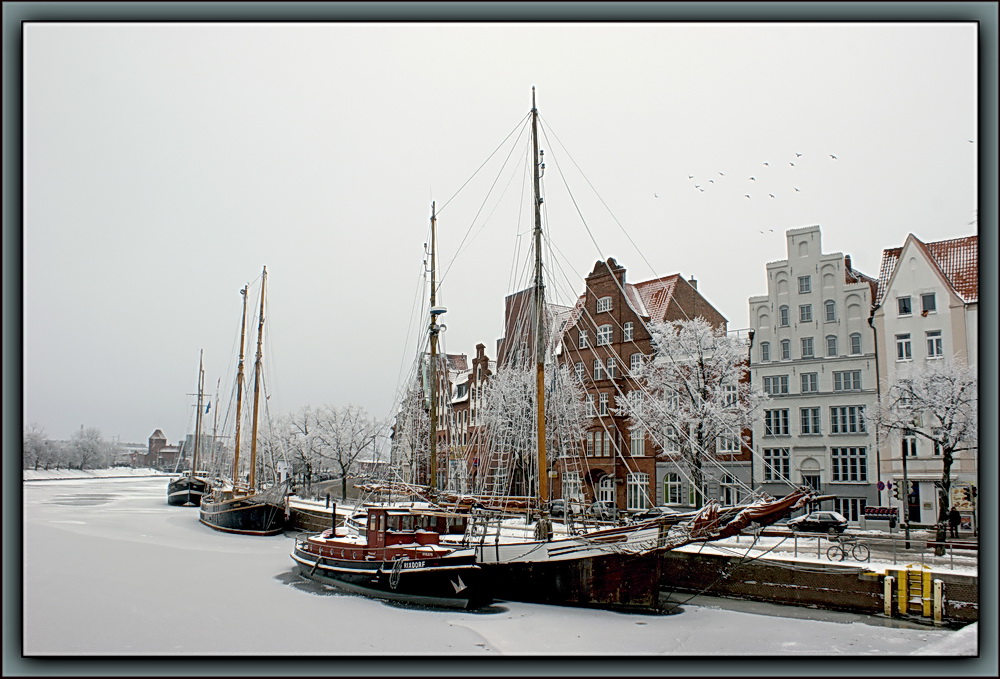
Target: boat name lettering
<point>413,564</point>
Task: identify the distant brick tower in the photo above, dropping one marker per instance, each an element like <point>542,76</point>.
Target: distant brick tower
<point>156,443</point>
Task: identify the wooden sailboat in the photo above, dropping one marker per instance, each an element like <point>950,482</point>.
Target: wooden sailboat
<point>189,488</point>
<point>243,507</point>
<point>401,553</point>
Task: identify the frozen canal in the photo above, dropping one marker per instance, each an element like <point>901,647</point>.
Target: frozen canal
<point>110,569</point>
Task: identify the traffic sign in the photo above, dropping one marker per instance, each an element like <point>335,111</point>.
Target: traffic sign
<point>880,486</point>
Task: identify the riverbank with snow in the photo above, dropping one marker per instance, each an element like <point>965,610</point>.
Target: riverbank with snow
<point>80,474</point>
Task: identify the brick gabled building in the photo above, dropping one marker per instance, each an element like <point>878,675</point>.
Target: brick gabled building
<point>602,340</point>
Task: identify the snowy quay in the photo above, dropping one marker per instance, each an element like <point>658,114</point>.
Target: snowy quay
<point>142,570</point>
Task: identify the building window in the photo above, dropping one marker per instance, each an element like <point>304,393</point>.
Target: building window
<point>590,444</point>
<point>848,380</point>
<point>811,480</point>
<point>847,420</point>
<point>776,422</point>
<point>805,313</point>
<point>850,464</point>
<point>783,316</point>
<point>627,331</point>
<point>598,369</point>
<point>590,404</point>
<point>572,486</point>
<point>776,384</point>
<point>805,284</point>
<point>637,442</point>
<point>904,305</point>
<point>604,335</point>
<point>765,352</point>
<point>852,508</point>
<point>612,368</point>
<point>730,395</point>
<point>934,347</point>
<point>672,488</point>
<point>583,340</point>
<point>831,345</point>
<point>730,490</point>
<point>606,489</point>
<point>635,363</point>
<point>855,343</point>
<point>938,434</point>
<point>810,420</point>
<point>636,486</point>
<point>831,310</point>
<point>606,447</point>
<point>776,464</point>
<point>786,350</point>
<point>904,351</point>
<point>578,370</point>
<point>603,304</point>
<point>909,443</point>
<point>810,383</point>
<point>671,441</point>
<point>807,347</point>
<point>928,303</point>
<point>728,444</point>
<point>603,401</point>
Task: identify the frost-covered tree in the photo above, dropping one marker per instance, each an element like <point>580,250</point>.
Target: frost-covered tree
<point>940,403</point>
<point>37,450</point>
<point>691,393</point>
<point>508,412</point>
<point>299,436</point>
<point>344,435</point>
<point>410,445</point>
<point>88,449</point>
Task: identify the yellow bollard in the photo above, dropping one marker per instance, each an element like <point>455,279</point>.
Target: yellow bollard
<point>938,601</point>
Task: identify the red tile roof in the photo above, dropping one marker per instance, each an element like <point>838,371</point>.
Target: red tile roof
<point>957,259</point>
<point>656,295</point>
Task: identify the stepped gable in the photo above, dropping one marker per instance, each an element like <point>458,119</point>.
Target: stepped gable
<point>957,259</point>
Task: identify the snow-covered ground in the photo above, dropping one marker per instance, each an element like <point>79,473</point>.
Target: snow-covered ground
<point>111,569</point>
<point>69,474</point>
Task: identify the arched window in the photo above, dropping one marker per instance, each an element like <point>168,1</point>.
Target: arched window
<point>831,345</point>
<point>765,352</point>
<point>603,304</point>
<point>783,316</point>
<point>831,310</point>
<point>604,335</point>
<point>855,343</point>
<point>606,489</point>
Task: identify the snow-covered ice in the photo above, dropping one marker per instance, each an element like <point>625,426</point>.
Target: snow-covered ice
<point>111,569</point>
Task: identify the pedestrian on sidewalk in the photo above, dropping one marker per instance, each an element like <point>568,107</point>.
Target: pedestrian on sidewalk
<point>954,520</point>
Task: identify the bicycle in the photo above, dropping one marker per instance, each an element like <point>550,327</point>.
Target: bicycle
<point>839,550</point>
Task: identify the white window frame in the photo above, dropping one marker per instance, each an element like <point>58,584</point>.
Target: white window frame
<point>777,464</point>
<point>572,487</point>
<point>765,352</point>
<point>603,304</point>
<point>786,350</point>
<point>805,313</point>
<point>849,464</point>
<point>635,363</point>
<point>612,368</point>
<point>584,341</point>
<point>783,319</point>
<point>935,344</point>
<point>809,421</point>
<point>856,347</point>
<point>848,420</point>
<point>578,370</point>
<point>904,347</point>
<point>671,440</point>
<point>808,348</point>
<point>831,346</point>
<point>847,380</point>
<point>637,442</point>
<point>672,489</point>
<point>805,284</point>
<point>637,491</point>
<point>606,489</point>
<point>602,400</point>
<point>904,306</point>
<point>728,444</point>
<point>908,443</point>
<point>598,369</point>
<point>851,508</point>
<point>830,308</point>
<point>926,308</point>
<point>809,383</point>
<point>605,335</point>
<point>627,331</point>
<point>776,422</point>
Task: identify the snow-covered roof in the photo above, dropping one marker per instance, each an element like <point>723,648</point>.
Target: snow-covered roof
<point>957,259</point>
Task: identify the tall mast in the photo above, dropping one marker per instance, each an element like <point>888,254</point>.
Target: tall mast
<point>239,390</point>
<point>256,384</point>
<point>434,329</point>
<point>197,417</point>
<point>540,336</point>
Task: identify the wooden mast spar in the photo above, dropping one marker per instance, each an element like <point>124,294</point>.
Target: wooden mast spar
<point>256,385</point>
<point>239,391</point>
<point>435,328</point>
<point>197,418</point>
<point>539,300</point>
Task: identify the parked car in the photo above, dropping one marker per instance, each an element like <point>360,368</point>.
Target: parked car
<point>819,522</point>
<point>557,507</point>
<point>603,510</point>
<point>654,512</point>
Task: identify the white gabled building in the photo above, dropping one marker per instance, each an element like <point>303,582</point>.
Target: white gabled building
<point>813,352</point>
<point>927,309</point>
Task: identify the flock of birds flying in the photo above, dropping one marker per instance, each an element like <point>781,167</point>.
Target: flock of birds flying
<point>701,184</point>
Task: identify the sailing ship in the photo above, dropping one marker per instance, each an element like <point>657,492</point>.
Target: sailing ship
<point>238,506</point>
<point>190,487</point>
<point>400,553</point>
<point>613,567</point>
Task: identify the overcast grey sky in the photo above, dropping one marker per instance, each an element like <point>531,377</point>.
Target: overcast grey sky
<point>165,164</point>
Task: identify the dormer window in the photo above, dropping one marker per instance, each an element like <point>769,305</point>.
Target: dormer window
<point>603,304</point>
